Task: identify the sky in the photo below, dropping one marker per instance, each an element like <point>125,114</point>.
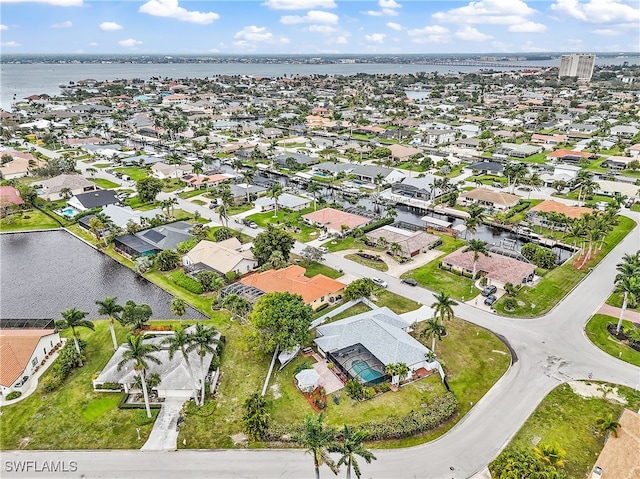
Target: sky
<point>318,26</point>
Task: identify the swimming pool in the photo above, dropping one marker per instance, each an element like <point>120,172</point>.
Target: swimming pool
<point>362,369</point>
<point>68,212</point>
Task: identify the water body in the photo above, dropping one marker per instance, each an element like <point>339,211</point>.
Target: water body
<point>22,80</point>
<point>44,273</point>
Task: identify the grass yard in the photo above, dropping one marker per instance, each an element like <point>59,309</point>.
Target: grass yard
<point>570,420</point>
<point>198,202</point>
<point>596,330</point>
<point>73,416</point>
<point>171,184</point>
<point>616,300</point>
<point>558,282</point>
<point>377,265</point>
<point>185,195</point>
<point>318,268</point>
<point>396,303</point>
<point>102,165</point>
<point>136,174</point>
<point>289,220</point>
<point>32,219</point>
<point>102,183</point>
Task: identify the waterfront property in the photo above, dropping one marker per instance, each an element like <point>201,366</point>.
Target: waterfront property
<point>93,199</point>
<point>222,257</point>
<point>411,243</point>
<point>495,267</point>
<point>538,215</point>
<point>489,198</point>
<point>334,220</point>
<point>59,186</point>
<point>154,240</point>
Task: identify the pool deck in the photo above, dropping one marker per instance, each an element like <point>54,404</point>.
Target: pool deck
<point>329,381</point>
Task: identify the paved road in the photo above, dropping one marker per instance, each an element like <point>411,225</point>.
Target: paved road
<point>550,350</point>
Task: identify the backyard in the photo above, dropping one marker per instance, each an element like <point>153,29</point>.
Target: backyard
<point>31,219</point>
<point>290,221</point>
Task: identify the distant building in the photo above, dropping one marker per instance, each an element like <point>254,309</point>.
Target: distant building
<point>577,65</point>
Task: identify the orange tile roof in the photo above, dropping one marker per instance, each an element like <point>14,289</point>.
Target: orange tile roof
<point>551,206</point>
<point>334,219</point>
<point>16,348</point>
<point>563,153</point>
<point>292,280</point>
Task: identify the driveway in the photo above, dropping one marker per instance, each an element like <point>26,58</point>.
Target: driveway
<point>164,435</point>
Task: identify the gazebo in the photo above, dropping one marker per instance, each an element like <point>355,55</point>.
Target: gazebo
<point>307,380</point>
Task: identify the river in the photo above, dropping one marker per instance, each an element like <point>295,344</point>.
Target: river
<point>44,273</point>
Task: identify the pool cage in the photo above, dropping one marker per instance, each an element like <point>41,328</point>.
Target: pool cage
<point>358,362</point>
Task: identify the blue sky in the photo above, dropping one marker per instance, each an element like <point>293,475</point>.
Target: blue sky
<point>318,26</point>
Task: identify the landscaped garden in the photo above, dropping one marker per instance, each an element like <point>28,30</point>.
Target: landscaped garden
<point>31,219</point>
<point>291,222</point>
<point>599,334</point>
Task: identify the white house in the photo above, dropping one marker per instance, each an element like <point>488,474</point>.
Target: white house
<point>223,257</point>
<point>163,170</point>
<point>285,200</point>
<point>54,188</point>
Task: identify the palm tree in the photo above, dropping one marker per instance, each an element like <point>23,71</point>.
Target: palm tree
<point>179,308</point>
<point>318,440</point>
<point>204,341</point>
<point>629,286</point>
<point>478,247</point>
<point>180,341</point>
<point>392,370</point>
<point>247,177</point>
<point>395,249</point>
<point>433,329</point>
<point>314,189</point>
<point>378,180</point>
<point>551,454</point>
<point>533,181</point>
<point>140,354</point>
<point>109,307</point>
<point>74,318</point>
<point>198,167</point>
<point>402,370</point>
<point>607,424</point>
<point>475,219</point>
<point>443,307</point>
<point>274,191</point>
<point>350,447</point>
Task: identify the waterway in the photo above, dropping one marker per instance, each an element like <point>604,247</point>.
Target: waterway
<point>45,273</point>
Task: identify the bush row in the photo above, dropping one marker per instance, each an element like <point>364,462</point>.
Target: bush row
<point>377,224</point>
<point>67,361</point>
<point>181,279</point>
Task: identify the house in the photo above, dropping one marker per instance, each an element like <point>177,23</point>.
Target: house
<point>413,188</point>
<point>271,133</point>
<point>485,197</point>
<point>610,188</point>
<point>619,456</point>
<point>485,168</point>
<point>285,200</point>
<point>569,156</point>
<point>122,215</point>
<point>20,164</point>
<point>333,220</point>
<point>93,199</point>
<point>634,150</point>
<point>617,162</point>
<point>140,160</point>
<point>536,215</point>
<point>55,188</point>
<point>518,150</point>
<point>154,240</point>
<point>561,172</point>
<point>580,130</point>
<point>373,339</point>
<point>369,173</point>
<point>328,168</point>
<point>206,181</point>
<point>315,291</point>
<point>432,137</point>
<point>471,143</point>
<point>163,170</point>
<point>221,257</point>
<point>495,267</point>
<point>411,243</point>
<point>298,160</point>
<point>548,141</point>
<point>175,377</point>
<point>401,153</point>
<point>24,351</point>
<point>241,190</point>
<point>625,131</point>
<point>9,197</point>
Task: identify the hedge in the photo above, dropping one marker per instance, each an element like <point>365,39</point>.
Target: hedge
<point>181,279</point>
<point>377,224</point>
<point>124,405</point>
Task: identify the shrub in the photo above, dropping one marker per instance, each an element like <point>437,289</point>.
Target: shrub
<point>301,367</point>
<point>13,395</point>
<point>181,279</point>
<point>368,393</point>
<point>510,304</point>
<point>384,387</point>
<point>51,384</point>
<point>141,419</point>
<point>167,260</point>
<point>354,389</point>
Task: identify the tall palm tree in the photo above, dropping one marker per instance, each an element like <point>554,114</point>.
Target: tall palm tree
<point>350,447</point>
<point>180,341</point>
<point>198,168</point>
<point>247,177</point>
<point>204,341</point>
<point>433,329</point>
<point>74,318</point>
<point>378,180</point>
<point>443,307</point>
<point>478,247</point>
<point>629,286</point>
<point>533,181</point>
<point>607,424</point>
<point>314,189</point>
<point>402,370</point>
<point>274,192</point>
<point>110,307</point>
<point>475,219</point>
<point>179,308</point>
<point>318,440</point>
<point>392,370</point>
<point>140,354</point>
<point>395,249</point>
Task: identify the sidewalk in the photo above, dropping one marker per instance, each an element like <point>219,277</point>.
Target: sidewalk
<point>609,310</point>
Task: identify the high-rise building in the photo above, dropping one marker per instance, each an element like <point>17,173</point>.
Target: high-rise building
<point>577,65</point>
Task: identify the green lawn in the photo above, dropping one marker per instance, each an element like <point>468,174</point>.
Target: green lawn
<point>73,416</point>
<point>559,281</point>
<point>185,195</point>
<point>396,303</point>
<point>32,219</point>
<point>571,420</point>
<point>596,330</point>
<point>171,184</point>
<point>304,231</point>
<point>102,183</point>
<point>377,265</point>
<point>616,300</point>
<point>488,179</point>
<point>136,174</point>
<point>102,165</point>
<point>319,268</point>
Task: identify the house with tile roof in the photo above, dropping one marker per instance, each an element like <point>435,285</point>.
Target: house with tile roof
<point>315,291</point>
<point>495,267</point>
<point>537,214</point>
<point>221,257</point>
<point>52,188</point>
<point>333,219</point>
<point>411,243</point>
<point>9,197</point>
<point>486,197</point>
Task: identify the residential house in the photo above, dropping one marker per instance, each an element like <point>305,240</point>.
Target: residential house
<point>141,160</point>
<point>413,188</point>
<point>634,150</point>
<point>9,197</point>
<point>206,181</point>
<point>432,137</point>
<point>222,257</point>
<point>121,216</point>
<point>164,170</point>
<point>328,168</point>
<point>548,141</point>
<point>485,168</point>
<point>285,200</point>
<point>617,162</point>
<point>401,153</point>
<point>315,291</point>
<point>241,190</point>
<point>485,197</point>
<point>580,130</point>
<point>625,131</point>
<point>333,220</point>
<point>561,172</point>
<point>518,150</point>
<point>411,243</point>
<point>498,269</point>
<point>93,199</point>
<point>152,241</point>
<point>271,133</point>
<point>299,160</point>
<point>568,156</point>
<point>55,188</point>
<point>537,214</point>
<point>20,164</point>
<point>610,188</point>
<point>369,173</point>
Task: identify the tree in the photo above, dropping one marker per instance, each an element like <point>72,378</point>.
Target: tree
<point>318,440</point>
<point>256,416</point>
<point>179,308</point>
<point>237,305</point>
<point>225,201</point>
<point>270,240</point>
<point>280,321</point>
<point>247,176</point>
<point>433,329</point>
<point>351,446</point>
<point>209,281</point>
<point>533,181</point>
<point>167,260</point>
<point>520,464</point>
<point>96,226</point>
<point>392,370</point>
<point>629,286</point>
<point>110,307</point>
<point>551,454</point>
<point>606,424</point>
<point>559,185</point>
<point>514,173</point>
<point>180,341</point>
<point>314,189</point>
<point>140,353</point>
<point>360,288</point>
<point>276,261</point>
<point>402,370</point>
<point>443,307</point>
<point>475,219</point>
<point>74,318</point>
<point>478,247</point>
<point>135,315</point>
<point>204,341</point>
<point>310,254</point>
<point>274,192</point>
<point>148,188</point>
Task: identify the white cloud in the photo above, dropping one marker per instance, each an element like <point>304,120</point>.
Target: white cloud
<point>3,27</point>
<point>10,44</point>
<point>496,12</point>
<point>527,27</point>
<point>67,24</point>
<point>299,4</point>
<point>470,34</point>
<point>55,3</point>
<point>129,42</point>
<point>322,29</point>
<point>312,16</point>
<point>598,11</point>
<point>341,40</point>
<point>110,26</point>
<point>252,34</point>
<point>92,44</point>
<point>387,9</point>
<point>375,38</point>
<point>394,26</point>
<point>430,34</point>
<point>606,31</point>
<point>171,9</point>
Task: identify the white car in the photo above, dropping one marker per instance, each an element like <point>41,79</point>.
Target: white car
<point>323,249</point>
<point>380,282</point>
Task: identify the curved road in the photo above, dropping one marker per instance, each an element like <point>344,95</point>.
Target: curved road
<point>550,350</point>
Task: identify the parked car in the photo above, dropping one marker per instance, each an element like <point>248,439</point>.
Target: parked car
<point>252,224</point>
<point>409,281</point>
<point>323,236</point>
<point>489,290</point>
<point>323,249</point>
<point>489,300</point>
<point>212,205</point>
<point>21,382</point>
<point>380,282</point>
